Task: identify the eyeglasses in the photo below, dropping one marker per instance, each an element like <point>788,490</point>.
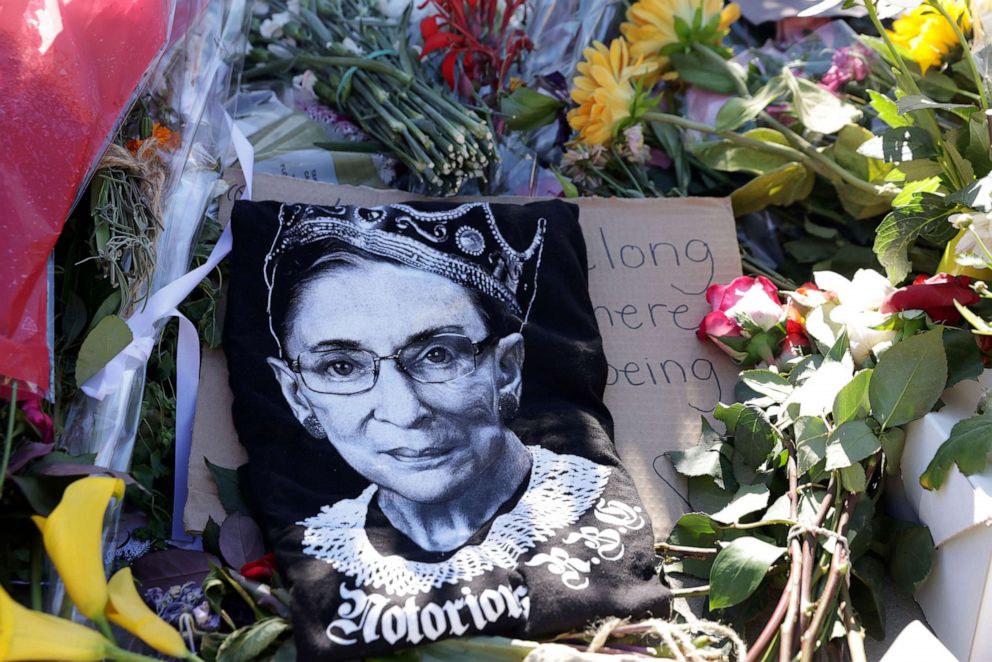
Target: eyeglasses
<point>434,360</point>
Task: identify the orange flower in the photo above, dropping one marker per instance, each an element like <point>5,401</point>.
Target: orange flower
<point>165,139</point>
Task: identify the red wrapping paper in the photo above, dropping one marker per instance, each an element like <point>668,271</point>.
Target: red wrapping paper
<point>68,70</point>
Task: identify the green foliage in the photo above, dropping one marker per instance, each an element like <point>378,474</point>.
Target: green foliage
<point>968,447</point>
<point>107,339</point>
<point>909,379</point>
<point>525,109</point>
<point>738,570</point>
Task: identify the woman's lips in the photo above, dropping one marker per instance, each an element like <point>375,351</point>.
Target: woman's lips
<point>421,456</point>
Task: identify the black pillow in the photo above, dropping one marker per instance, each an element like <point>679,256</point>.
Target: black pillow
<point>417,476</point>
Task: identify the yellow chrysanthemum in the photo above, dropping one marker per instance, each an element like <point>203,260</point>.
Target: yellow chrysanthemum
<point>651,25</point>
<point>606,90</point>
<point>927,35</point>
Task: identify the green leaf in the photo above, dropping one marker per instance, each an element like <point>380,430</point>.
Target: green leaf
<point>671,141</point>
<point>818,109</point>
<point>908,379</point>
<point>899,231</point>
<point>754,437</point>
<point>849,444</point>
<point>893,441</point>
<point>739,569</point>
<point>738,110</point>
<point>706,496</point>
<point>729,415</point>
<point>968,446</point>
<point>228,488</point>
<point>852,401</point>
<point>852,478</point>
<point>567,187</point>
<point>211,537</point>
<point>104,342</point>
<point>748,499</point>
<point>249,642</point>
<point>696,70</point>
<point>964,361</point>
<point>700,460</point>
<point>977,195</point>
<point>867,595</point>
<point>910,192</point>
<point>525,110</point>
<point>911,102</point>
<point>811,442</point>
<point>767,383</point>
<point>887,110</point>
<point>783,186</point>
<point>938,86</point>
<point>731,157</point>
<point>911,557</point>
<point>898,145</point>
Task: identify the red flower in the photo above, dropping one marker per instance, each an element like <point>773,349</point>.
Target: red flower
<point>38,419</point>
<point>477,34</point>
<point>935,296</point>
<point>260,570</point>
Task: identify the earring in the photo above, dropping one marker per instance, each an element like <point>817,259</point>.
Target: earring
<point>314,427</point>
<point>508,406</point>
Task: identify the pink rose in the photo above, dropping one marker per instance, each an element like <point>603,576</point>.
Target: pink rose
<point>747,321</point>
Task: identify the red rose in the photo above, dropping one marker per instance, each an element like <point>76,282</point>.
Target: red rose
<point>260,570</point>
<point>935,296</point>
<point>747,320</point>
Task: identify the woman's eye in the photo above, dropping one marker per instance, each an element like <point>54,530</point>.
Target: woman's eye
<point>438,355</point>
<point>340,368</point>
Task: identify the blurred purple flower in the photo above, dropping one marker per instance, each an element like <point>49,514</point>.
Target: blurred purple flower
<point>847,64</point>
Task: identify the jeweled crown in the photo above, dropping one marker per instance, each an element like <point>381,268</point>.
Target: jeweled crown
<point>463,244</point>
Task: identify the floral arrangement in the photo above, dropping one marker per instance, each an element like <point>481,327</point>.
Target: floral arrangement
<point>785,500</point>
<point>862,157</point>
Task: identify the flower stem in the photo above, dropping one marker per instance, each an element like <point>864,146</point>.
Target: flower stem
<point>830,169</point>
<point>691,592</point>
<point>969,58</point>
<point>8,439</point>
<point>366,64</point>
<point>103,625</point>
<point>720,63</point>
<point>811,158</point>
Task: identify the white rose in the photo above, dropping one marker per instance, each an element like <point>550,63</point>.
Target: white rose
<point>856,311</point>
<point>866,291</point>
<point>757,308</point>
<point>260,8</point>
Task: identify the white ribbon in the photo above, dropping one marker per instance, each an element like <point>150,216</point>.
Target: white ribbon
<point>161,305</point>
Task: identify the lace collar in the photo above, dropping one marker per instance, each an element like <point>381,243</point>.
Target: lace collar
<point>561,489</point>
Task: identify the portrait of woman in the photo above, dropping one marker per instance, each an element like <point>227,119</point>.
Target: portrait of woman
<point>399,340</point>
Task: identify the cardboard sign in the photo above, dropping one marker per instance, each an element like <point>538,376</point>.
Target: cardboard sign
<point>650,262</point>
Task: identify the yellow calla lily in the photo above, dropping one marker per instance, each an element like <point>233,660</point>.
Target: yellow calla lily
<point>129,611</point>
<point>32,635</point>
<point>73,535</point>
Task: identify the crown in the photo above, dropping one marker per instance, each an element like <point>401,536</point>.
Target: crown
<point>463,244</point>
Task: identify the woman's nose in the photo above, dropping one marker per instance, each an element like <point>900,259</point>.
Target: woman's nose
<point>397,400</point>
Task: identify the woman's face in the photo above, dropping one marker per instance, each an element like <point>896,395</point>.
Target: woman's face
<point>425,442</point>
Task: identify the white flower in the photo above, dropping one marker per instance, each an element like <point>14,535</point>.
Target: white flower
<point>351,46</point>
<point>293,7</point>
<point>856,312</point>
<point>393,8</point>
<point>260,8</point>
<point>757,308</point>
<point>305,82</point>
<point>271,28</point>
<point>978,224</point>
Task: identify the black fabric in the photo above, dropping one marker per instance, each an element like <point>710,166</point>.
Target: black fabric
<point>291,476</point>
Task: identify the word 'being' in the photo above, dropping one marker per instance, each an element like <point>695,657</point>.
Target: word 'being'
<point>652,372</point>
<point>368,617</point>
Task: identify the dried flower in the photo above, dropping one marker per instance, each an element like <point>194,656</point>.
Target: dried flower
<point>609,90</point>
<point>927,34</point>
<point>634,148</point>
<point>305,82</point>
